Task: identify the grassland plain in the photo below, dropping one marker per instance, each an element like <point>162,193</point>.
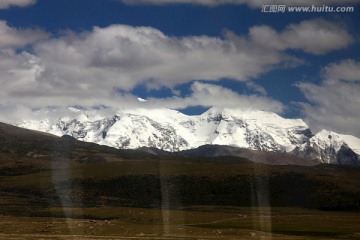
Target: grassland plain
<point>59,188</point>
<point>179,200</point>
<point>195,222</point>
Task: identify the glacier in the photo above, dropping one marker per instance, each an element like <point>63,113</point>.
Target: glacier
<point>173,131</point>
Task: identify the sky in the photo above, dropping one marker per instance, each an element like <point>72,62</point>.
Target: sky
<point>187,55</point>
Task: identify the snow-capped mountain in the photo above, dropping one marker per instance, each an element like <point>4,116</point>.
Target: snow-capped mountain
<point>331,147</point>
<point>173,131</point>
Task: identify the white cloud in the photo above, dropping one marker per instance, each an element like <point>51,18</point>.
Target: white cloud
<point>86,68</point>
<point>101,66</point>
<point>256,88</point>
<point>202,94</point>
<point>19,3</point>
<point>312,36</point>
<point>336,99</point>
<point>123,56</point>
<point>211,95</point>
<point>251,3</point>
<point>14,37</point>
<point>347,70</point>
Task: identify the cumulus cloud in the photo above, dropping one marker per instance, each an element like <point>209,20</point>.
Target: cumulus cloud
<point>19,3</point>
<point>201,94</point>
<point>15,37</point>
<point>123,56</point>
<point>312,36</point>
<point>211,95</point>
<point>90,67</point>
<point>102,66</point>
<point>251,3</point>
<point>336,100</point>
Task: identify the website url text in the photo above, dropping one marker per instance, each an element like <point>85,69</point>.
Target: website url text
<point>307,9</point>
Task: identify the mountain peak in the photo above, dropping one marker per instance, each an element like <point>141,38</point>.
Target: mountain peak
<point>173,131</point>
<point>337,140</point>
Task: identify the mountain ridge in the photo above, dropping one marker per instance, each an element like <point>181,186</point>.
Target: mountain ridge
<point>173,131</point>
<point>255,156</point>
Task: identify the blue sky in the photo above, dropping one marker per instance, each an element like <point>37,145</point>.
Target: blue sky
<point>185,55</point>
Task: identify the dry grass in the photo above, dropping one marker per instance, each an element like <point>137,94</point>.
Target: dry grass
<point>198,222</point>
